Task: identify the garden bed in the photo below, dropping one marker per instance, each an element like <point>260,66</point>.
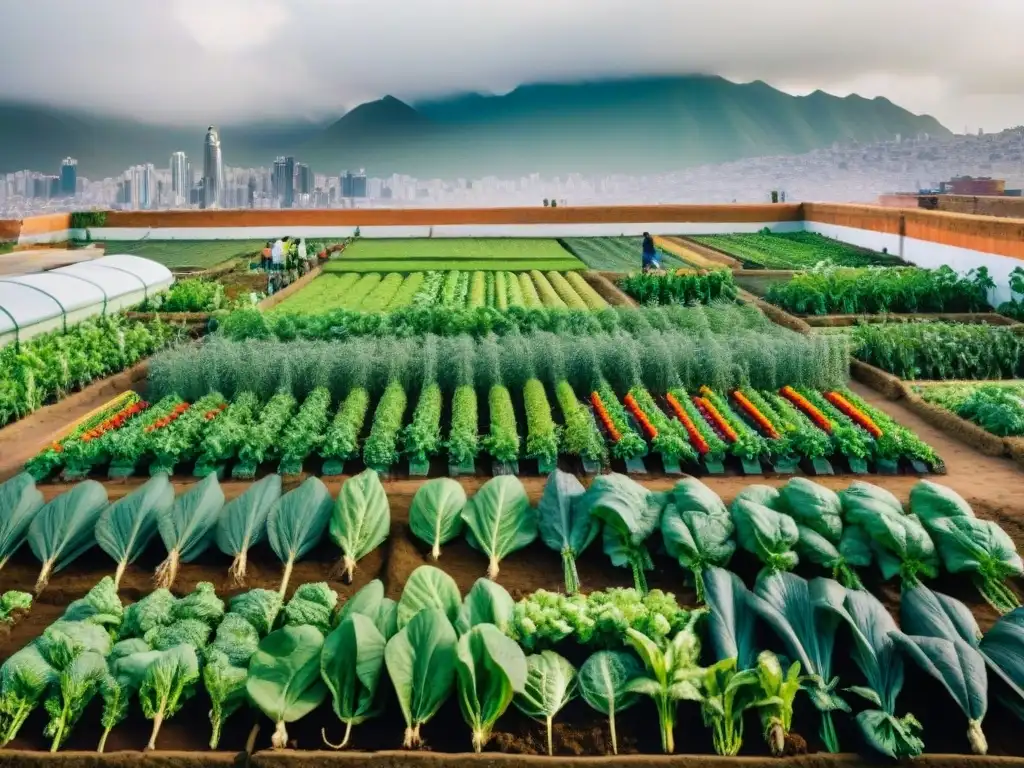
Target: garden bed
<point>845,321</point>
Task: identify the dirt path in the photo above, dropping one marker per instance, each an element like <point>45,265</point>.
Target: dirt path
<point>42,259</point>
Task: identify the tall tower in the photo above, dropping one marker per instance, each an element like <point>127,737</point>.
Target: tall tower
<point>68,177</point>
<point>213,170</point>
<point>181,177</point>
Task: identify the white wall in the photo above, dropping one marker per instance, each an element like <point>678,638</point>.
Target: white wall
<point>924,253</point>
<point>58,236</point>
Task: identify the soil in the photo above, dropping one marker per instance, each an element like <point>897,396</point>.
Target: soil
<point>608,290</point>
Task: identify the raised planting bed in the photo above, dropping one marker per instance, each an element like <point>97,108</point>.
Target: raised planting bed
<point>452,290</point>
<point>426,254</point>
<point>793,250</point>
<point>390,577</point>
<point>190,254</point>
<point>616,254</point>
<point>968,318</point>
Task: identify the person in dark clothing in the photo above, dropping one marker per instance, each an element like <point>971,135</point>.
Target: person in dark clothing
<point>650,254</point>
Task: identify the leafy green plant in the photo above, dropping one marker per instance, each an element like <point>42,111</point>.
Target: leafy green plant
<point>463,440</point>
<point>342,440</point>
<point>490,670</point>
<point>697,530</point>
<point>127,526</point>
<point>360,521</point>
<point>284,677</point>
<point>21,501</point>
<point>169,680</point>
<point>671,675</point>
<point>188,529</point>
<point>420,660</point>
<point>435,516</point>
<point>381,448</point>
<point>64,529</point>
<point>351,665</point>
<point>968,545</point>
<point>243,523</point>
<point>941,637</point>
<point>550,685</point>
<point>542,435</point>
<point>630,514</point>
<point>487,602</point>
<point>305,432</point>
<point>296,523</point>
<point>565,526</point>
<point>422,437</point>
<point>262,441</point>
<point>680,288</point>
<point>503,441</point>
<point>604,683</point>
<point>580,436</point>
<point>499,520</point>
<point>763,531</point>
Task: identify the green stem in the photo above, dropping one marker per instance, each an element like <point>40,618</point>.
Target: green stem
<point>551,750</point>
<point>103,740</point>
<point>666,712</point>
<point>828,733</point>
<point>698,581</point>
<point>639,579</point>
<point>611,725</point>
<point>24,710</point>
<point>572,579</point>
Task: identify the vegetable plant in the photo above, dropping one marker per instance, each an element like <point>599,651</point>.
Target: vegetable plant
<point>188,529</point>
<point>341,442</point>
<point>422,437</point>
<point>296,523</point>
<point>550,685</point>
<point>435,516</point>
<point>490,670</point>
<point>360,521</point>
<point>351,665</point>
<point>604,681</point>
<point>243,522</point>
<point>127,526</point>
<point>463,439</point>
<point>284,679</point>
<point>697,530</point>
<point>169,680</point>
<point>21,501</point>
<point>763,531</point>
<point>381,447</point>
<point>429,588</point>
<point>565,526</point>
<point>305,432</point>
<point>487,602</point>
<point>542,435</point>
<point>420,660</point>
<point>65,528</point>
<point>671,675</point>
<point>262,442</point>
<point>503,440</point>
<point>499,520</point>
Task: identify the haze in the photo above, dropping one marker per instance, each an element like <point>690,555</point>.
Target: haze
<point>229,61</point>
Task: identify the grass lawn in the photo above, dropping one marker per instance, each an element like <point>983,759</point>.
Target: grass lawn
<point>410,255</point>
<point>6,247</point>
<point>177,254</point>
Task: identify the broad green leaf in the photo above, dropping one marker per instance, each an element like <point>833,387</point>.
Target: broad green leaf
<point>284,677</point>
<point>550,685</point>
<point>169,680</point>
<point>243,522</point>
<point>813,506</point>
<point>296,523</point>
<point>75,689</point>
<point>20,500</point>
<point>187,530</point>
<point>351,665</point>
<point>487,603</point>
<point>435,517</point>
<point>126,527</point>
<point>361,520</point>
<point>697,530</point>
<point>421,664</point>
<point>225,685</point>
<point>731,622</point>
<point>491,669</point>
<point>429,587</point>
<point>366,601</point>
<point>65,528</point>
<point>500,519</point>
<point>565,525</point>
<point>604,684</point>
<point>768,535</point>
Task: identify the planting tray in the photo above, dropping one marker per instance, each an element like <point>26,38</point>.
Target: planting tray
<point>455,470</point>
<point>822,467</point>
<point>419,468</point>
<point>751,467</point>
<point>671,464</point>
<point>887,467</point>
<point>333,468</point>
<point>786,466</point>
<point>636,466</point>
<point>504,468</point>
<point>858,466</point>
<point>714,467</point>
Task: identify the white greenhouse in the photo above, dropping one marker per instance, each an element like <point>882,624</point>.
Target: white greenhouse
<point>55,300</point>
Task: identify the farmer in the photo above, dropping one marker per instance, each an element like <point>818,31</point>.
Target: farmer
<point>650,254</point>
<point>265,260</point>
<point>277,255</point>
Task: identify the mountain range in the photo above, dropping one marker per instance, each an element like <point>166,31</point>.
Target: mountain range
<point>636,125</point>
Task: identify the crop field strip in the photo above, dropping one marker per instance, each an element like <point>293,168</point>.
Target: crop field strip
<point>615,254</point>
<point>427,254</point>
<point>175,254</point>
<point>793,250</point>
<point>431,568</point>
<point>452,290</point>
<point>996,406</point>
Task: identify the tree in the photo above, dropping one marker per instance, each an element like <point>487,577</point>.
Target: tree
<point>545,202</point>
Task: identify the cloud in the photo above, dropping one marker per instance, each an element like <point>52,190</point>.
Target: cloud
<point>194,61</point>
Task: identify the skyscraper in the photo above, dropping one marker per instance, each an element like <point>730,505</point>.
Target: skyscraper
<point>289,182</point>
<point>68,177</point>
<point>181,177</point>
<point>305,179</point>
<point>213,169</point>
<point>359,184</point>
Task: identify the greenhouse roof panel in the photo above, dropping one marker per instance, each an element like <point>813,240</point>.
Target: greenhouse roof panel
<point>69,292</point>
<point>22,306</point>
<point>151,272</point>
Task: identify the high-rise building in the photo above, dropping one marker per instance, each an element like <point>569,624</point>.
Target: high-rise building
<point>68,177</point>
<point>359,184</point>
<point>346,184</point>
<point>289,182</point>
<point>305,179</point>
<point>213,169</point>
<point>181,177</point>
<point>250,200</point>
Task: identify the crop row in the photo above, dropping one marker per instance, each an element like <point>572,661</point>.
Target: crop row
<point>718,318</point>
<point>46,368</point>
<point>285,658</point>
<point>793,250</point>
<point>682,287</point>
<point>879,290</point>
<point>997,407</point>
<point>452,290</point>
<point>614,254</point>
<point>783,428</point>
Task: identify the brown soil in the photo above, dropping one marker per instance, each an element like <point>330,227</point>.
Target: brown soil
<point>608,290</point>
<point>881,381</point>
<point>776,315</point>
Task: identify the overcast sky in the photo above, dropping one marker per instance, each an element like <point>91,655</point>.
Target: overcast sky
<point>188,61</point>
